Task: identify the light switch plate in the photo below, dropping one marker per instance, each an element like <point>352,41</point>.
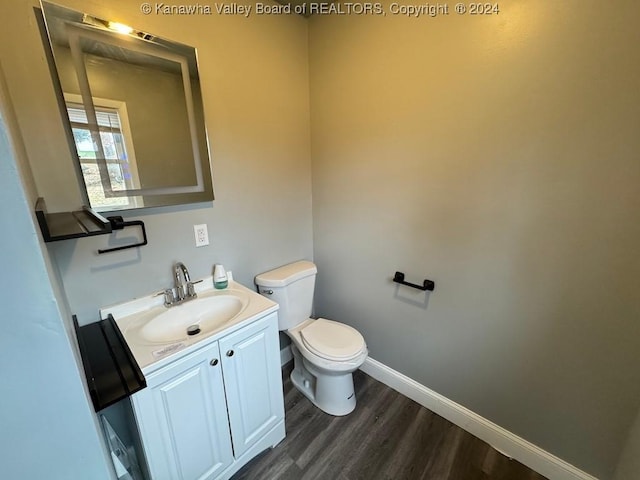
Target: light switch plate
<point>202,235</point>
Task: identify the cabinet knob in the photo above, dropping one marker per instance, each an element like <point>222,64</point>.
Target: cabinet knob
<point>230,353</point>
<point>213,362</point>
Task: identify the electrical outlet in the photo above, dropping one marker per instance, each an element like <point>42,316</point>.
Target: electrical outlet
<point>202,236</point>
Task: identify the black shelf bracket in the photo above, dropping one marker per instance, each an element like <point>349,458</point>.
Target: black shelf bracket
<point>117,223</point>
<point>426,284</point>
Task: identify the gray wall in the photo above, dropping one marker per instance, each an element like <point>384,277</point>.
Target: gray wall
<point>497,156</point>
<point>629,464</point>
<point>254,74</point>
<point>48,426</point>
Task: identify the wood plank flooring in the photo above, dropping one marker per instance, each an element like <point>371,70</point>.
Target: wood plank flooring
<point>388,436</point>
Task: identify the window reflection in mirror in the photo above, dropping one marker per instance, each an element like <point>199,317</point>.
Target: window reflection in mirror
<point>116,138</point>
<point>134,110</point>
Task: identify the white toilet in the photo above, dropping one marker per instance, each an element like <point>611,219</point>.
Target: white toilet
<point>325,353</point>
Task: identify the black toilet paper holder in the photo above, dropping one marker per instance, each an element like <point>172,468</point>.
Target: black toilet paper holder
<point>118,223</point>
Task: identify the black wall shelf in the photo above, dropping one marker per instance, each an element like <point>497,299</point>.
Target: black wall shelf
<point>66,225</point>
<point>110,368</point>
<point>83,223</point>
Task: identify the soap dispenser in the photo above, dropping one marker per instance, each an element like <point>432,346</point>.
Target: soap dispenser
<point>220,279</point>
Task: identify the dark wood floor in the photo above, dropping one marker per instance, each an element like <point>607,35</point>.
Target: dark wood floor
<point>388,436</point>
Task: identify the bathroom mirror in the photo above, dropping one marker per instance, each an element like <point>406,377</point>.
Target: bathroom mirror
<point>133,107</point>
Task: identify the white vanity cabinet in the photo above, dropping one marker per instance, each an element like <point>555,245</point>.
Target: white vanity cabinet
<point>253,384</point>
<point>206,414</point>
<point>182,418</point>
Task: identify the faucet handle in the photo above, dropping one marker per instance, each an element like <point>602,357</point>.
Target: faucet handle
<point>191,291</point>
<point>169,298</point>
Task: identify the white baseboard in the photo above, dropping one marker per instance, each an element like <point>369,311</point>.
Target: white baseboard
<point>502,440</point>
<point>285,355</point>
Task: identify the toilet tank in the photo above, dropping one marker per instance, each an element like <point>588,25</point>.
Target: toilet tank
<point>291,287</point>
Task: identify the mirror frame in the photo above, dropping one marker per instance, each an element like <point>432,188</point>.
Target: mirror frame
<point>95,29</point>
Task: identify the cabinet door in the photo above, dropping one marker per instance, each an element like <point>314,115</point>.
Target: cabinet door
<point>183,421</point>
<point>253,381</point>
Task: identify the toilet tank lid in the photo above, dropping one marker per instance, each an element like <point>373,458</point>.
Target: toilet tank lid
<point>283,276</point>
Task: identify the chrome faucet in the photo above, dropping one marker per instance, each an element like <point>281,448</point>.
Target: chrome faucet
<point>182,281</point>
<point>184,288</point>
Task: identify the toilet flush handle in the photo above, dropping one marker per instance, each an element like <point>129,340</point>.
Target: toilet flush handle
<point>267,292</point>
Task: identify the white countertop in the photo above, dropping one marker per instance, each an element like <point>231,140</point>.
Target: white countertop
<point>151,356</point>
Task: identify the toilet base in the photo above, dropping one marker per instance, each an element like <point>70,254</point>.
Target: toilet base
<point>331,392</point>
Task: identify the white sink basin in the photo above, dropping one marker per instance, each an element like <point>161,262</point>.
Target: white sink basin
<point>206,314</point>
<point>155,333</point>
<point>210,312</point>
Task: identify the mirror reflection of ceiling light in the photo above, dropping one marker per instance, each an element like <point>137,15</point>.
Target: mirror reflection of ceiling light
<point>119,27</point>
<point>116,27</point>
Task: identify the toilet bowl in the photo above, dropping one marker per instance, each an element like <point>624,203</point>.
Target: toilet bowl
<point>325,352</point>
<point>329,351</point>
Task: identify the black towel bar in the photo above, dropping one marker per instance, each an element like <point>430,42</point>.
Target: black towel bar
<point>426,285</point>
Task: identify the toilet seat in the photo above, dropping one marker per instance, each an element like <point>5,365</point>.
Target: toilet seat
<point>331,340</point>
